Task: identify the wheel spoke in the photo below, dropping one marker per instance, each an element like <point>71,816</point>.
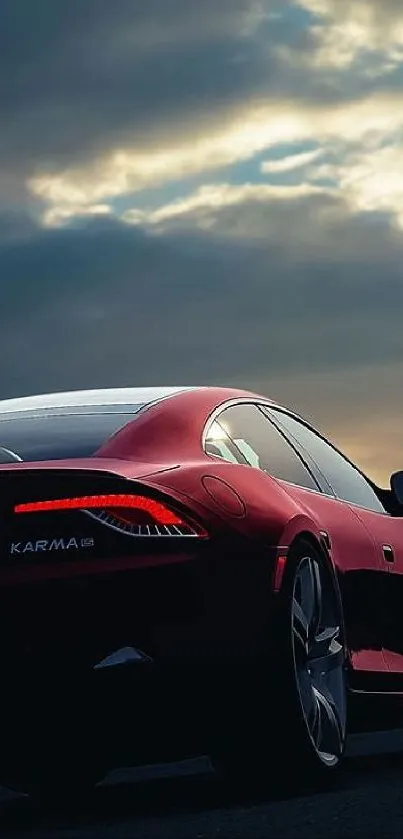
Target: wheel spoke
<point>326,654</point>
<point>300,626</point>
<point>327,635</point>
<point>331,728</point>
<point>315,723</point>
<point>307,696</point>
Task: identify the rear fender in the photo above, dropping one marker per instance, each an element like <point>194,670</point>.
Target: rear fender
<point>250,501</point>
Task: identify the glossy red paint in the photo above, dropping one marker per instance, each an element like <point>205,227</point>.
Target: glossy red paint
<point>360,571</point>
<point>171,428</point>
<point>74,588</point>
<point>387,533</point>
<point>161,453</point>
<point>224,496</point>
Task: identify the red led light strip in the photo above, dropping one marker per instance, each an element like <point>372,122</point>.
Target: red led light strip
<point>161,513</point>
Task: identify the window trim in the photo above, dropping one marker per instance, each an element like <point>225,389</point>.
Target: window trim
<point>325,486</point>
<point>261,403</point>
<point>269,408</point>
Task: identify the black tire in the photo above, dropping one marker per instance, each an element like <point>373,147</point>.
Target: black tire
<point>292,726</point>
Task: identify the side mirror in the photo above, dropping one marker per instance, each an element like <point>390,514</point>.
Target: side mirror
<point>396,483</point>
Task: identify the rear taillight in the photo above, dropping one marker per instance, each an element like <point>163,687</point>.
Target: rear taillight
<point>135,515</point>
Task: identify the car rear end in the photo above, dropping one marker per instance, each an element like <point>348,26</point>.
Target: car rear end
<point>119,606</point>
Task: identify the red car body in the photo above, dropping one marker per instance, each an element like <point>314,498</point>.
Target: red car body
<point>194,605</point>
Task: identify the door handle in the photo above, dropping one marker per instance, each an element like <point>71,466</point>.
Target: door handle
<point>388,553</point>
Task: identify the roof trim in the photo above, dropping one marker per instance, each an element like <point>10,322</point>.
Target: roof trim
<point>100,397</point>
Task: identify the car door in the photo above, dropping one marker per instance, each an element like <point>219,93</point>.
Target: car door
<point>387,534</point>
<point>266,446</point>
<point>367,588</point>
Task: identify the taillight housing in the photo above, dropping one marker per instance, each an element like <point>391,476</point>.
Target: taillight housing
<point>135,515</point>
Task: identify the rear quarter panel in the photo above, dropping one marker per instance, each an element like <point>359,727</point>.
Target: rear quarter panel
<point>264,508</point>
<point>275,513</point>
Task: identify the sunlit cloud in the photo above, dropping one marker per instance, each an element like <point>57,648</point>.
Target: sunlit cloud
<point>370,180</point>
<point>257,128</point>
<point>307,221</point>
<point>130,170</point>
<point>58,215</point>
<point>291,162</point>
<point>201,206</point>
<point>345,33</point>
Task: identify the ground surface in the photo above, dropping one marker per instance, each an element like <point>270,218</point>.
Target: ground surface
<point>160,802</point>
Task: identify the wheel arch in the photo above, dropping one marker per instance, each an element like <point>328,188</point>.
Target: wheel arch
<point>303,528</point>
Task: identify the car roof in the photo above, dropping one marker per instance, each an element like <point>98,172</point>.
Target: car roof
<point>124,397</point>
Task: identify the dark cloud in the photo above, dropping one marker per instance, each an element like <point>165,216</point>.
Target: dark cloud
<point>15,226</point>
<point>297,289</point>
<point>105,304</point>
<point>78,77</point>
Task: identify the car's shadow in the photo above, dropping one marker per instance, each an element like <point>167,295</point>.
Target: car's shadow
<point>113,803</point>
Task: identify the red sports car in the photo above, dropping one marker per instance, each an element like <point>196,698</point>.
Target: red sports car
<point>188,571</point>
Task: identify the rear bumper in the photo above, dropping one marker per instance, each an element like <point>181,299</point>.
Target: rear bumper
<point>102,720</point>
<point>124,715</point>
<point>202,606</point>
<point>199,626</point>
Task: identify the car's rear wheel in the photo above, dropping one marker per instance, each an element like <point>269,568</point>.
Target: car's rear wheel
<point>318,659</point>
<point>296,710</point>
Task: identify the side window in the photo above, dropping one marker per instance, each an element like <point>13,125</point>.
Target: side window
<point>218,444</point>
<point>347,482</point>
<point>263,446</point>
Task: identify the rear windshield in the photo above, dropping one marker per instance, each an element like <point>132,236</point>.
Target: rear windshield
<point>56,435</point>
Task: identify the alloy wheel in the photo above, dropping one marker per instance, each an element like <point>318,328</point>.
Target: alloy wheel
<point>319,659</point>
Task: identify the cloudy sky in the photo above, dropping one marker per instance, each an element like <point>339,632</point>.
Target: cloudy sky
<point>207,191</point>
